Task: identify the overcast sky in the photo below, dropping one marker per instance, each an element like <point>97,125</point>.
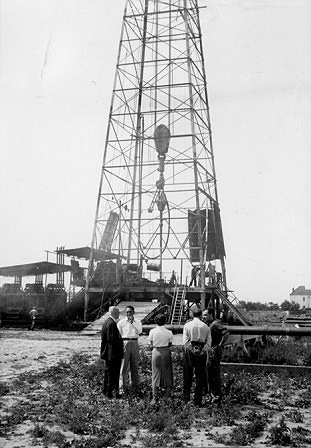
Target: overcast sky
<point>57,66</point>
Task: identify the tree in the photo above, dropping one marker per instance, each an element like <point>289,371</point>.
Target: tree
<point>289,306</point>
<point>285,306</point>
<point>273,306</point>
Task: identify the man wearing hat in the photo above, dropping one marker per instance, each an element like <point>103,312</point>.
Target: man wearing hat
<point>197,342</point>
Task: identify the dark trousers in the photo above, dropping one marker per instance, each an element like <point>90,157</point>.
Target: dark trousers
<point>193,281</point>
<point>198,364</point>
<point>213,374</point>
<point>111,376</point>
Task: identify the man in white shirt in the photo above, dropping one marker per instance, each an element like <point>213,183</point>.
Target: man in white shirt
<point>130,328</point>
<point>197,343</point>
<point>33,314</point>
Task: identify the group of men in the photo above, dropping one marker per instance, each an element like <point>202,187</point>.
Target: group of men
<point>214,278</point>
<point>119,351</point>
<point>203,339</point>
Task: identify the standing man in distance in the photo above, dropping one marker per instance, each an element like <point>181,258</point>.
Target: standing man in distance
<point>197,342</point>
<point>33,314</point>
<point>130,328</point>
<point>211,274</point>
<point>111,352</point>
<point>194,274</point>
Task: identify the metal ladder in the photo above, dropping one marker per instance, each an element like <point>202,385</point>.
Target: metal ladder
<point>178,305</point>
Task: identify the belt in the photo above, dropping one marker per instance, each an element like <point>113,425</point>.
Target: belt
<point>201,344</point>
<point>130,339</point>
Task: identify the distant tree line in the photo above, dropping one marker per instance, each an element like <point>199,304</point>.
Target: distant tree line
<point>270,306</point>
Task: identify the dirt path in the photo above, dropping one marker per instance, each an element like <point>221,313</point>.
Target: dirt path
<point>23,351</point>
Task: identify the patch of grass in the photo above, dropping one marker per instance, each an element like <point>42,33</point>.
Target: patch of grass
<point>280,433</point>
<point>38,431</point>
<point>184,415</point>
<point>162,417</point>
<point>224,414</point>
<point>294,415</point>
<point>286,352</point>
<point>4,389</point>
<point>72,399</point>
<point>292,352</point>
<point>48,437</point>
<point>242,388</point>
<point>300,437</point>
<point>304,401</point>
<point>105,440</point>
<point>166,438</point>
<point>257,423</point>
<point>245,434</point>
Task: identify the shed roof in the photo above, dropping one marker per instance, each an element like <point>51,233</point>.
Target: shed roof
<point>32,269</point>
<point>84,252</point>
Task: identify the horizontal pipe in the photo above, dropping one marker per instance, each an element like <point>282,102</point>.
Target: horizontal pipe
<point>250,330</point>
<point>234,367</point>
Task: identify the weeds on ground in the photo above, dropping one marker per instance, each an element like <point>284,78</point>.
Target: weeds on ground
<point>4,389</point>
<point>245,434</point>
<point>224,414</point>
<point>280,433</point>
<point>304,399</point>
<point>72,400</point>
<point>47,437</point>
<point>300,436</point>
<point>242,389</point>
<point>295,415</point>
<point>291,352</point>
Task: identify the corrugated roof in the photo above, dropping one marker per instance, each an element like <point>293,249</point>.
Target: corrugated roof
<point>32,269</point>
<point>84,252</point>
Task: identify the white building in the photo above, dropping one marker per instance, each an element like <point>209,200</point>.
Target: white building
<point>302,296</point>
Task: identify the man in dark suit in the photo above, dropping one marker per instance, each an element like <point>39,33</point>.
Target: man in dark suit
<point>111,352</point>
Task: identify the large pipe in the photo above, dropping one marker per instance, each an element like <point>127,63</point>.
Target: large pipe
<point>250,330</point>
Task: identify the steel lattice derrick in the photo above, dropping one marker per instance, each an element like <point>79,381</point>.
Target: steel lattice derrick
<point>160,80</point>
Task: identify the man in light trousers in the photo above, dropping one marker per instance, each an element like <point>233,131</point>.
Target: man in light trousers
<point>130,328</point>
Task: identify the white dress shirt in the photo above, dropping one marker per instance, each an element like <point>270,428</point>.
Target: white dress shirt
<point>197,331</point>
<point>160,336</point>
<point>129,330</point>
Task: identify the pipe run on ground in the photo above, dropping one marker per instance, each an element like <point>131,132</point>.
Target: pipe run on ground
<point>249,330</point>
